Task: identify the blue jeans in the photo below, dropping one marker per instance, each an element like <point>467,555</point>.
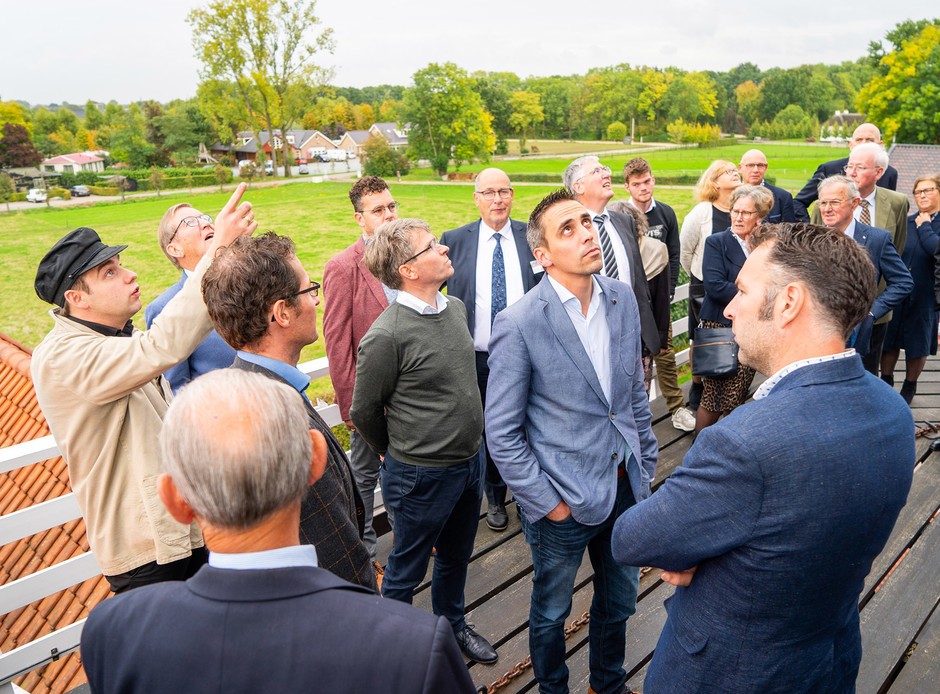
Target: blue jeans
<point>557,551</point>
<point>433,508</point>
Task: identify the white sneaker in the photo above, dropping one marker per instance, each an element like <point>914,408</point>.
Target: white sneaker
<point>684,419</point>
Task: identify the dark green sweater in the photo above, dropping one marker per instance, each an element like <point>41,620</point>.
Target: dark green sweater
<point>416,392</point>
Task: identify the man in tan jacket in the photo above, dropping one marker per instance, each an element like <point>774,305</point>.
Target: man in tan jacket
<point>100,387</point>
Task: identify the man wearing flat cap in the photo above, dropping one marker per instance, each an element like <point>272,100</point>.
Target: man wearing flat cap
<point>99,384</point>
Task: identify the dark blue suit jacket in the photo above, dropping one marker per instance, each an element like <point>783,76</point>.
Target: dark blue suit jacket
<point>783,205</point>
<point>721,263</point>
<point>889,267</point>
<point>463,242</point>
<point>807,196</point>
<point>213,353</point>
<point>783,518</point>
<point>275,630</point>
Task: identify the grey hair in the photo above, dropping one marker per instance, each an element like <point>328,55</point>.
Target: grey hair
<point>573,171</point>
<point>237,446</point>
<point>390,248</point>
<point>877,151</point>
<point>851,187</point>
<point>166,231</point>
<point>762,198</point>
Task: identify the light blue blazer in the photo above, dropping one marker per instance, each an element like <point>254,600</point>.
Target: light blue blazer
<point>549,428</point>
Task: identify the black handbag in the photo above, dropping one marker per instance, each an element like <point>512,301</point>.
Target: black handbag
<point>714,353</point>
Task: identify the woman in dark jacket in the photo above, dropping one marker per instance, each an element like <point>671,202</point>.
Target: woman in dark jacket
<point>724,256</point>
<point>913,326</point>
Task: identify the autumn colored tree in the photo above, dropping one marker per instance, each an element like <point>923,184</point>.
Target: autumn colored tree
<point>526,114</point>
<point>16,149</point>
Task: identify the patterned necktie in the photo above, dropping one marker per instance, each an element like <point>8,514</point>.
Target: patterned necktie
<point>498,294</point>
<point>607,249</point>
<point>865,215</point>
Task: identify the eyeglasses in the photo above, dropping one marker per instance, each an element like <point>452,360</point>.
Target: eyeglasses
<point>314,287</point>
<point>856,167</point>
<point>192,221</point>
<point>488,195</point>
<point>431,245</point>
<point>731,172</point>
<point>926,191</point>
<point>604,170</point>
<point>754,166</point>
<point>743,214</point>
<point>831,204</point>
<point>379,211</point>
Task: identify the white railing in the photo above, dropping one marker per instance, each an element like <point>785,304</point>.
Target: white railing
<point>64,509</point>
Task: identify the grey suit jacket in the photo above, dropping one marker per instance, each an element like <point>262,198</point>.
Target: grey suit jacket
<point>550,429</point>
<point>627,230</point>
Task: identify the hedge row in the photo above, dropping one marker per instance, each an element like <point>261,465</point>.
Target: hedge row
<point>104,190</point>
<point>205,177</point>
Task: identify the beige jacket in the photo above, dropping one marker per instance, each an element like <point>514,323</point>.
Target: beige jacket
<point>104,399</point>
<point>696,227</point>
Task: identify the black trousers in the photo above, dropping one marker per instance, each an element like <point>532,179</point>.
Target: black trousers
<point>494,486</point>
<point>153,572</point>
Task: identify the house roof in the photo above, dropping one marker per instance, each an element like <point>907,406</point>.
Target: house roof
<point>912,161</point>
<point>391,132</point>
<point>79,158</point>
<point>22,420</point>
<point>358,137</point>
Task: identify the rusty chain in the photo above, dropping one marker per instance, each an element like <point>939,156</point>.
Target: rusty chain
<point>929,430</point>
<point>524,665</point>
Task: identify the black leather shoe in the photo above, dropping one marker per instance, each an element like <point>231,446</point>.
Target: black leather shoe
<point>496,517</point>
<point>475,646</point>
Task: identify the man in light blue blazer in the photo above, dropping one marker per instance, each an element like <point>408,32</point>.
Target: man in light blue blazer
<point>184,234</point>
<point>773,520</point>
<point>568,425</point>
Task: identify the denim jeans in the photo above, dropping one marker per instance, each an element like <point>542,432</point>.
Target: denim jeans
<point>433,508</point>
<point>557,551</point>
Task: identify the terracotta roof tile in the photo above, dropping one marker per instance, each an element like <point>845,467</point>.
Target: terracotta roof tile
<point>22,420</point>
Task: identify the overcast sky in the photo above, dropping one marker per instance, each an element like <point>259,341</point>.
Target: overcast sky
<point>74,50</point>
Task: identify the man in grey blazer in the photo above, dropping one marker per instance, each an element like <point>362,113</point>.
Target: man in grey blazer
<point>568,425</point>
<point>493,268</point>
<point>592,187</point>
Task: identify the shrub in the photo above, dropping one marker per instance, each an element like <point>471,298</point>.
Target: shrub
<point>63,193</point>
<point>617,131</point>
<point>104,190</point>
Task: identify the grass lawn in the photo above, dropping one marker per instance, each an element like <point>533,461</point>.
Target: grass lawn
<point>791,164</point>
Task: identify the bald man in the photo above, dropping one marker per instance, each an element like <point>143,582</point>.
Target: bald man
<point>753,168</point>
<point>493,268</point>
<point>866,132</point>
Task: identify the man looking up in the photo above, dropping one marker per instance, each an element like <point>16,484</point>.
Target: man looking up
<point>417,404</point>
<point>639,182</point>
<point>237,458</point>
<point>753,168</point>
<point>493,268</point>
<point>184,234</point>
<point>99,384</point>
<point>264,304</point>
<point>354,298</point>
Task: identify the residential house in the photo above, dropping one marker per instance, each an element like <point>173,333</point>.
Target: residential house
<point>353,140</point>
<point>912,161</point>
<point>397,137</point>
<point>74,163</point>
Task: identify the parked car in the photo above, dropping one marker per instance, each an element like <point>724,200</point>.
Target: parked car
<point>302,169</point>
<point>36,195</point>
<point>80,191</point>
<point>269,167</point>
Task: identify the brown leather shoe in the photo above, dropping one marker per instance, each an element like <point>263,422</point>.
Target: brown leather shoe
<point>378,572</point>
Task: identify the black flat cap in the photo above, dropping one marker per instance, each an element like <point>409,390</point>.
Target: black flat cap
<point>74,254</point>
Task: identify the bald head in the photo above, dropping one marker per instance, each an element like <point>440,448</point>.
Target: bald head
<point>493,194</point>
<point>866,132</point>
<point>753,166</point>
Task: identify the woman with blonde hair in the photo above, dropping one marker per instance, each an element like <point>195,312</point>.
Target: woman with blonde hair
<point>713,190</point>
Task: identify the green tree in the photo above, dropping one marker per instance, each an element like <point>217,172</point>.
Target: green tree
<point>617,131</point>
<point>221,175</point>
<point>558,97</point>
<point>448,119</point>
<point>902,97</point>
<point>94,119</point>
<point>265,48</point>
<point>12,112</point>
<point>7,189</point>
<point>156,179</point>
<point>496,88</point>
<point>526,113</point>
<point>382,160</point>
<point>747,95</point>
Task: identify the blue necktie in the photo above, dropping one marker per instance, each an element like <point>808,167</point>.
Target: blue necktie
<point>498,298</point>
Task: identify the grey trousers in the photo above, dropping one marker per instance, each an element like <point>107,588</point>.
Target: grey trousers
<point>365,470</point>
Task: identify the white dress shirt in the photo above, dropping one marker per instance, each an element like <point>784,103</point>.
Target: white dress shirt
<point>419,305</point>
<point>620,251</point>
<point>486,246</point>
<point>871,207</point>
<point>764,390</point>
<point>279,558</point>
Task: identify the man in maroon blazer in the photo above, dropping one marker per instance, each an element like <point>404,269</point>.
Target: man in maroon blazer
<point>353,299</point>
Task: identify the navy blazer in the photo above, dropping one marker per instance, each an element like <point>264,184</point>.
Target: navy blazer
<point>888,266</point>
<point>783,206</point>
<point>783,518</point>
<point>463,242</point>
<point>650,332</point>
<point>276,630</point>
<point>213,353</point>
<point>807,196</point>
<point>721,263</point>
<point>549,427</point>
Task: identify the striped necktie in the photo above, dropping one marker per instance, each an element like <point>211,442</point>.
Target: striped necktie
<point>865,215</point>
<point>607,249</point>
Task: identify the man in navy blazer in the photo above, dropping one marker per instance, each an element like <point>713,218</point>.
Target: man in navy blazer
<point>261,616</point>
<point>568,424</point>
<point>773,520</point>
<point>838,199</point>
<point>752,168</point>
<point>478,268</point>
<point>184,234</point>
<point>866,132</point>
